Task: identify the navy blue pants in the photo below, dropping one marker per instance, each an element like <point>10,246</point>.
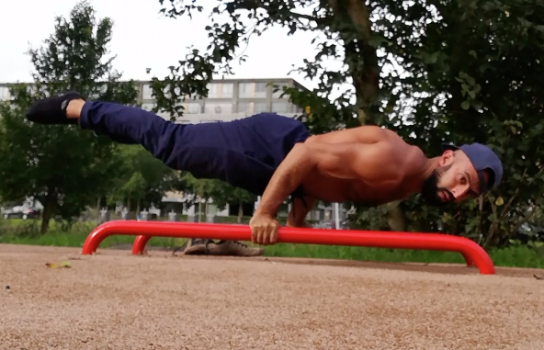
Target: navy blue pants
<point>244,153</point>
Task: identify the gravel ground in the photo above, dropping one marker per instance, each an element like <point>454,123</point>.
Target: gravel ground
<point>113,300</point>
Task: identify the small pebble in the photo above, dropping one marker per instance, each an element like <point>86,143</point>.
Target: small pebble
<point>7,287</point>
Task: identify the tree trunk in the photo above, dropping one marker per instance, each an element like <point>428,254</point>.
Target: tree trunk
<point>199,208</point>
<point>240,212</point>
<point>49,207</point>
<point>365,77</point>
<point>98,209</point>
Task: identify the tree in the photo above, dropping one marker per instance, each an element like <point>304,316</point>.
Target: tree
<point>65,168</point>
<point>471,70</point>
<point>220,192</point>
<point>201,189</point>
<point>144,179</point>
<point>233,194</point>
<point>345,35</point>
<point>433,71</point>
<point>134,189</point>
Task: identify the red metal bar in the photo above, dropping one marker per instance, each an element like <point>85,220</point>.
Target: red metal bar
<point>473,253</point>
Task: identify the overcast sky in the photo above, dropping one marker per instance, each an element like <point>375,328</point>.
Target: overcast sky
<point>142,38</point>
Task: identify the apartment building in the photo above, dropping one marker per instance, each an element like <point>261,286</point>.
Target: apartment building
<point>227,99</point>
<point>231,99</point>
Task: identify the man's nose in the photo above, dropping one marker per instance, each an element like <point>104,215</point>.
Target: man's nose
<point>459,191</point>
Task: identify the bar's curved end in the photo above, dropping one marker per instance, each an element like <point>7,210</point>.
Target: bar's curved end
<point>96,237</point>
<point>475,255</point>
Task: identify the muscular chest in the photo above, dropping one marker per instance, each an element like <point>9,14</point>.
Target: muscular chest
<point>337,190</point>
<point>361,193</point>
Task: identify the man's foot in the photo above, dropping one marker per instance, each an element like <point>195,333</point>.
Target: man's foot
<point>192,247</point>
<point>52,110</point>
<point>233,248</point>
<point>209,247</point>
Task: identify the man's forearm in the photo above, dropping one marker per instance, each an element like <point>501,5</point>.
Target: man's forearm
<point>286,179</point>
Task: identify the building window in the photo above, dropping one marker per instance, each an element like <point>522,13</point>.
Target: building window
<point>260,89</point>
<point>244,90</point>
<point>244,107</point>
<point>184,121</point>
<point>226,90</point>
<point>193,108</point>
<point>281,107</point>
<point>148,106</point>
<point>147,93</point>
<point>4,93</point>
<point>260,107</point>
<point>212,89</point>
<point>218,108</point>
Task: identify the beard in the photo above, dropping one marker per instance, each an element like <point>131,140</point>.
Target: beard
<point>431,191</point>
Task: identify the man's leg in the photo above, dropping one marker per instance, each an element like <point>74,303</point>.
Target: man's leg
<point>223,151</point>
<point>167,141</point>
<point>123,124</point>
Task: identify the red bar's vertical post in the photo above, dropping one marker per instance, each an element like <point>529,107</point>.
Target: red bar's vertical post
<point>139,244</point>
<point>468,260</point>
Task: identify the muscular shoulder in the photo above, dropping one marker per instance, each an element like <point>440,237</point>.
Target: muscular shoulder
<point>391,156</point>
<point>362,135</point>
<point>370,154</point>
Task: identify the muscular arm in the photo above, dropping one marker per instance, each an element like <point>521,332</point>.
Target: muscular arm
<point>373,163</point>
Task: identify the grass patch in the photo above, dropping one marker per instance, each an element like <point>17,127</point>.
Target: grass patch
<point>517,256</point>
<point>26,232</point>
<point>64,239</point>
<point>17,231</point>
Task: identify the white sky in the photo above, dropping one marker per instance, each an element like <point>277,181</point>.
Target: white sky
<point>142,38</point>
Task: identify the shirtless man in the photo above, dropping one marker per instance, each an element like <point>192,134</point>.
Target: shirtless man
<point>275,157</point>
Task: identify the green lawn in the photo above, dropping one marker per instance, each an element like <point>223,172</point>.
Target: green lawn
<point>18,232</point>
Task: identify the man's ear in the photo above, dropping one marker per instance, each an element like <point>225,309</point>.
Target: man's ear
<point>446,158</point>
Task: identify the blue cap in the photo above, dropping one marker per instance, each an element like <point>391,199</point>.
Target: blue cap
<point>482,158</point>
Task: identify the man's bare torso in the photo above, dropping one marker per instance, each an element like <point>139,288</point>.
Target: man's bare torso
<point>320,186</point>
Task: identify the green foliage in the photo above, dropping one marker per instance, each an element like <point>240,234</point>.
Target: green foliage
<point>342,33</point>
<point>143,178</point>
<point>135,187</point>
<point>65,168</point>
<point>221,192</point>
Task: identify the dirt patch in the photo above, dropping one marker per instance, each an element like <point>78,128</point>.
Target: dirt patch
<point>117,301</point>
